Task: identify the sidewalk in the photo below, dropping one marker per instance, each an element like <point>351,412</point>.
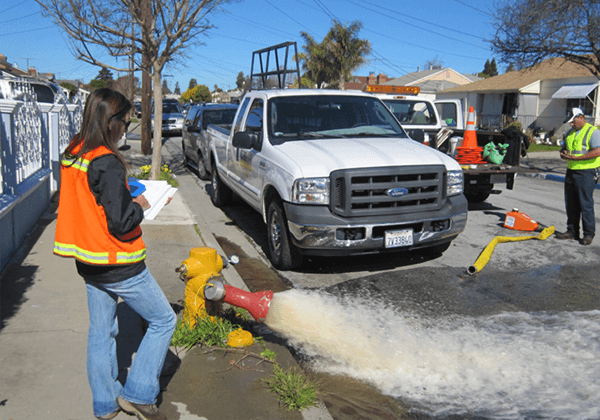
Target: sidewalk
<point>43,334</point>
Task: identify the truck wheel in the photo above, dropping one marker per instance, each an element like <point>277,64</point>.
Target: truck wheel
<point>221,194</point>
<point>202,171</point>
<point>477,197</point>
<point>283,254</point>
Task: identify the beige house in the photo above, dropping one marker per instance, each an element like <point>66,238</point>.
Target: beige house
<point>433,80</point>
<point>539,96</point>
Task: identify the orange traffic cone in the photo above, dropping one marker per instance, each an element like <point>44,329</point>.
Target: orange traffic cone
<point>470,138</point>
<point>469,153</point>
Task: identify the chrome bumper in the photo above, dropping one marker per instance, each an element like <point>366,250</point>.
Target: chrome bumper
<point>322,238</point>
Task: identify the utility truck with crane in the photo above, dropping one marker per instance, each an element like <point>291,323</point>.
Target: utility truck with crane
<point>420,117</point>
<point>333,172</point>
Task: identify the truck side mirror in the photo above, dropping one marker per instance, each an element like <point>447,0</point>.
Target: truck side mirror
<point>417,134</point>
<point>245,140</point>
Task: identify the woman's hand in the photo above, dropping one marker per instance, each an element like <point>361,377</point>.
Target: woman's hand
<point>141,200</point>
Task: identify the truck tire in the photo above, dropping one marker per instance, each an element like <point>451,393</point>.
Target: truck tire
<point>477,197</point>
<point>283,254</point>
<point>221,194</point>
<point>202,171</point>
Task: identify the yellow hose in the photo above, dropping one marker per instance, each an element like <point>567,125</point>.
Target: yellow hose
<point>485,255</point>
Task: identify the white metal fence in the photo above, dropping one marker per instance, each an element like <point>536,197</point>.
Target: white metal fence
<point>32,137</point>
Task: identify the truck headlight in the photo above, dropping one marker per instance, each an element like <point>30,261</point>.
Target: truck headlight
<point>311,191</point>
<point>455,183</point>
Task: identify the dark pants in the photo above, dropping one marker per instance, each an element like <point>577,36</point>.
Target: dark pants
<point>579,201</point>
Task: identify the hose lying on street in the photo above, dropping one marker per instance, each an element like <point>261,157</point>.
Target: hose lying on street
<point>485,255</point>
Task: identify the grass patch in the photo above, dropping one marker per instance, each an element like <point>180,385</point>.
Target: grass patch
<point>208,331</point>
<point>165,174</point>
<point>542,148</point>
<point>293,388</point>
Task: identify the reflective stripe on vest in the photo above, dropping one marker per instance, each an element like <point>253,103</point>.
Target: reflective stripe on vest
<point>580,140</point>
<point>67,250</point>
<point>125,258</point>
<point>81,164</point>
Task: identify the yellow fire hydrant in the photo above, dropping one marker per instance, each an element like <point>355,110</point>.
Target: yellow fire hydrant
<point>203,264</point>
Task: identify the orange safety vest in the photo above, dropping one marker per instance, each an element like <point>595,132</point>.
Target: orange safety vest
<point>81,226</point>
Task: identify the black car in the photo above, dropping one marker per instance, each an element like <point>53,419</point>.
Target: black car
<point>195,140</point>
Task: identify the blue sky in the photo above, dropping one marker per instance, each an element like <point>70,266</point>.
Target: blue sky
<point>404,35</point>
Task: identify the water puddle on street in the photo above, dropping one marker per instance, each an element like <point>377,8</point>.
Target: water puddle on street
<point>435,343</point>
<point>503,366</point>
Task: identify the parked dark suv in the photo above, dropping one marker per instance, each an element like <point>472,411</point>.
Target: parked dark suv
<point>195,141</point>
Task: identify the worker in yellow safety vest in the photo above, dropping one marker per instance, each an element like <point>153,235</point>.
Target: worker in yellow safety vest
<point>582,151</point>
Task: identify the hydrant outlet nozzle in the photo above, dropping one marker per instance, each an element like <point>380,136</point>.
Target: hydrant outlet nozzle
<point>214,291</point>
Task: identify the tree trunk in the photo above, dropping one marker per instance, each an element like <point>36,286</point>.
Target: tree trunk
<point>146,84</point>
<point>157,143</point>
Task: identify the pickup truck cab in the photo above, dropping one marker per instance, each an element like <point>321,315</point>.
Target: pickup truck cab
<point>416,114</point>
<point>194,137</point>
<point>334,173</point>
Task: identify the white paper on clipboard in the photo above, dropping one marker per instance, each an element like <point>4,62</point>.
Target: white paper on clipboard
<point>157,193</point>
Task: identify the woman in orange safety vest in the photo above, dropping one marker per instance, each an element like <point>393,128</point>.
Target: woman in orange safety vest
<point>98,225</point>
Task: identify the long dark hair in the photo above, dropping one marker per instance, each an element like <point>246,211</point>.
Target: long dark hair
<point>104,110</point>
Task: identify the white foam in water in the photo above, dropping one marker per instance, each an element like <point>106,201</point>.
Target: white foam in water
<point>507,366</point>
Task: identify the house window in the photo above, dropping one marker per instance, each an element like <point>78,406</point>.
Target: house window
<point>585,104</point>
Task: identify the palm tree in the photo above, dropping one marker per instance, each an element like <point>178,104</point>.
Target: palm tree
<point>316,61</point>
<point>333,60</point>
<point>346,49</point>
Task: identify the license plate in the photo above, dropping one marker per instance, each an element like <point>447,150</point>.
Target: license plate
<point>497,178</point>
<point>396,238</point>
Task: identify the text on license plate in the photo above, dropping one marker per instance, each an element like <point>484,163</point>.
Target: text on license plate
<point>396,238</point>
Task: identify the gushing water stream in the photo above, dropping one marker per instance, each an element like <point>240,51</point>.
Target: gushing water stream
<point>506,366</point>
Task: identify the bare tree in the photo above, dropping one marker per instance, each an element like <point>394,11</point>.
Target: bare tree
<point>433,63</point>
<point>531,31</point>
<point>96,26</point>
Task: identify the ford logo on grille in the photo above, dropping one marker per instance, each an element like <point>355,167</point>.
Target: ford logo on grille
<point>397,192</point>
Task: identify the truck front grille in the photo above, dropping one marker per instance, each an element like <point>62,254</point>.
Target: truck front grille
<point>368,192</point>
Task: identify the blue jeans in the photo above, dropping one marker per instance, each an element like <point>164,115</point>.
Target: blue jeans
<point>579,201</point>
<point>145,297</point>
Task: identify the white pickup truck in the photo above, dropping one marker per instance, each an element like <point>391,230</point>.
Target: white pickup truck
<point>334,173</point>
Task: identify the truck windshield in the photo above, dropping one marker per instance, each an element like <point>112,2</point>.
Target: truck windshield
<point>301,117</point>
<point>412,112</point>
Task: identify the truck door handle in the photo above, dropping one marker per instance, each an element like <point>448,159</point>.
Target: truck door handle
<point>262,164</point>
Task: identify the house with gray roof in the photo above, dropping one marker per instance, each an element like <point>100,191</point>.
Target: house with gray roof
<point>433,80</point>
<point>539,96</point>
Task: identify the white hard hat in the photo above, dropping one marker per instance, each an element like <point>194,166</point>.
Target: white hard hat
<point>574,113</point>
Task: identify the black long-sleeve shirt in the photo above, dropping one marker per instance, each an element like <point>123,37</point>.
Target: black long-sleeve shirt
<point>108,182</point>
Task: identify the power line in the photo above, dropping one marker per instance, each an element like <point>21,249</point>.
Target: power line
<point>285,14</point>
<point>474,8</point>
<point>420,27</point>
<point>325,9</point>
<point>28,30</point>
<point>422,47</point>
<point>19,18</point>
<point>13,6</point>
